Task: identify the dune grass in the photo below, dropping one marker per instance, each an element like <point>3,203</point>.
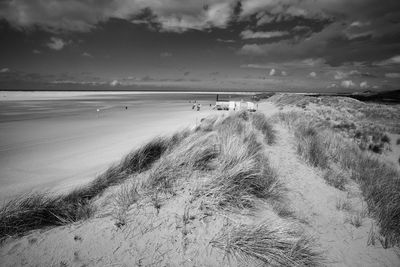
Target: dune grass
<point>335,178</point>
<point>261,123</point>
<point>268,243</point>
<point>227,151</point>
<point>34,211</point>
<point>379,182</point>
<point>244,174</point>
<point>310,146</point>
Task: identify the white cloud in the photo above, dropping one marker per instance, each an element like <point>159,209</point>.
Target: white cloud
<point>314,62</point>
<point>312,74</point>
<point>114,83</point>
<point>4,70</point>
<point>284,73</point>
<point>390,61</point>
<point>360,24</point>
<point>248,34</point>
<point>352,35</point>
<point>342,75</point>
<point>56,43</point>
<point>272,72</point>
<point>86,54</point>
<point>392,75</point>
<point>348,84</point>
<point>252,49</point>
<point>35,51</point>
<point>364,85</point>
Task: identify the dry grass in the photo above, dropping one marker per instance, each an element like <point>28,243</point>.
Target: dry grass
<point>228,152</point>
<point>244,174</point>
<point>381,188</point>
<point>270,243</point>
<point>126,196</point>
<point>29,212</point>
<point>310,146</point>
<point>34,211</point>
<point>379,182</point>
<point>335,178</point>
<point>356,219</point>
<point>261,123</point>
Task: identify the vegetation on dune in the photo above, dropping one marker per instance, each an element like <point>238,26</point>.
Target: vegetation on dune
<point>223,158</point>
<point>34,211</point>
<point>243,174</point>
<point>366,124</point>
<point>322,147</point>
<point>335,178</point>
<point>261,123</point>
<point>270,242</point>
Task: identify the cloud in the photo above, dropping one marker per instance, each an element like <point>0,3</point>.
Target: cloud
<point>172,15</point>
<point>86,54</point>
<point>35,51</point>
<point>255,66</point>
<point>314,46</point>
<point>300,64</point>
<point>364,85</point>
<point>284,73</point>
<point>248,34</point>
<point>314,62</point>
<point>272,72</point>
<point>353,73</point>
<point>340,75</point>
<point>226,40</point>
<point>359,24</point>
<point>4,70</point>
<point>312,74</point>
<point>348,84</point>
<point>166,54</point>
<point>56,43</point>
<point>114,83</point>
<point>390,61</point>
<point>393,75</point>
<point>353,36</point>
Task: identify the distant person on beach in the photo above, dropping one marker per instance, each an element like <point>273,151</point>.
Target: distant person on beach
<point>198,107</point>
<point>126,107</point>
<point>194,105</point>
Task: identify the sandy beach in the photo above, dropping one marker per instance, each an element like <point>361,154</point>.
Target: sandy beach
<point>59,141</point>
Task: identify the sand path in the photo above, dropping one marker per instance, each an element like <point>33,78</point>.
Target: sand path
<point>314,204</point>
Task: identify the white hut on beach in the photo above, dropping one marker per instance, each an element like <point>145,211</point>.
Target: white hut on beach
<point>234,105</point>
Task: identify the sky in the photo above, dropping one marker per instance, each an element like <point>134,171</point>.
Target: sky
<point>254,45</point>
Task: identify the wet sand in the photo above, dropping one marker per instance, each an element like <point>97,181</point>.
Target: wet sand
<point>60,143</point>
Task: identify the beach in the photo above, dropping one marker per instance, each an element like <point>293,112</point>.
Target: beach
<point>58,141</point>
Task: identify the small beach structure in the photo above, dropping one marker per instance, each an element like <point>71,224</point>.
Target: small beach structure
<point>234,105</point>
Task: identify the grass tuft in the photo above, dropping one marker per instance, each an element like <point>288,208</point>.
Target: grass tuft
<point>310,146</point>
<point>35,211</point>
<point>29,212</point>
<point>335,178</point>
<point>267,243</point>
<point>260,122</point>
